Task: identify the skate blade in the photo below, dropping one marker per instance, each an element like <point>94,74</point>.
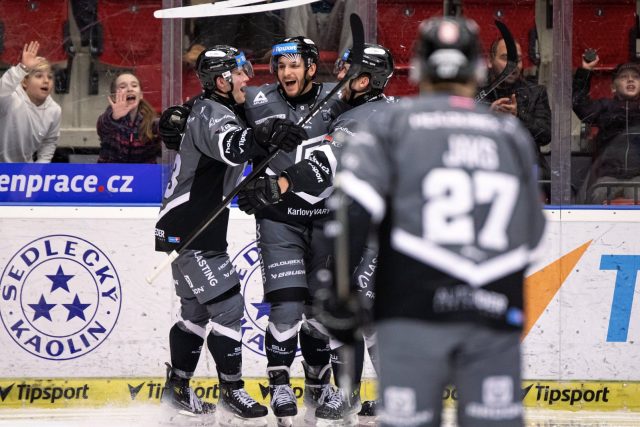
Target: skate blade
<point>284,421</point>
<point>173,417</point>
<point>310,417</point>
<point>229,419</point>
<point>367,421</point>
<point>347,421</point>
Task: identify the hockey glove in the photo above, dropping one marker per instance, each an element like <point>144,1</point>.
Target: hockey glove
<point>281,133</point>
<point>343,319</point>
<point>259,193</point>
<point>173,122</point>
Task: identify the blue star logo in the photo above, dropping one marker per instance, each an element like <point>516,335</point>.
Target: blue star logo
<point>264,309</point>
<point>59,280</point>
<point>42,309</point>
<point>76,309</point>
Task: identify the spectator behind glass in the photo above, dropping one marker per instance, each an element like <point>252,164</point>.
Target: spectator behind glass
<point>128,129</point>
<point>325,22</point>
<point>527,101</point>
<point>29,117</point>
<point>617,152</point>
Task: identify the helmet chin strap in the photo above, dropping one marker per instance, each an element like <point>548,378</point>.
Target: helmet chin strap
<point>307,81</point>
<point>353,92</point>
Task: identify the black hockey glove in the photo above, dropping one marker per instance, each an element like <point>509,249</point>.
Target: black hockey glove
<point>173,122</point>
<point>343,319</point>
<point>259,193</point>
<point>281,133</point>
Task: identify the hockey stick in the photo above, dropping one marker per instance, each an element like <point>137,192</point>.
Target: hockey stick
<point>357,32</point>
<point>225,8</point>
<point>512,61</point>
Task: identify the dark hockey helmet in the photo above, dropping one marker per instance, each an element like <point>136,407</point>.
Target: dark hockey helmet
<point>299,45</point>
<point>448,50</point>
<point>377,61</point>
<point>220,60</point>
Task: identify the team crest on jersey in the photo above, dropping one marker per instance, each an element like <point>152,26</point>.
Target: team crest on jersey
<point>256,311</point>
<point>260,99</point>
<point>61,297</point>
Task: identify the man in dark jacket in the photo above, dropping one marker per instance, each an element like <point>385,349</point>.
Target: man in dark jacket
<point>617,156</point>
<point>527,101</point>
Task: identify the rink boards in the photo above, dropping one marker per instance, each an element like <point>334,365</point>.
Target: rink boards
<point>80,326</point>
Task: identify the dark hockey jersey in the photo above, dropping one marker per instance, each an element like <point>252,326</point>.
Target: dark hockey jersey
<point>453,189</point>
<point>268,101</point>
<point>213,153</point>
<point>347,124</point>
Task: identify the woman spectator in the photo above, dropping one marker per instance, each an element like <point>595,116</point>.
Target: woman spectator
<point>128,129</point>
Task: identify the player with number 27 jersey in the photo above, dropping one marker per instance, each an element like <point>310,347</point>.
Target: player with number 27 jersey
<point>465,215</point>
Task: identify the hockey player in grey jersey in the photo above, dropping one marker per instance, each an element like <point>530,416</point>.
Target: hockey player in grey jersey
<point>364,92</point>
<point>213,151</point>
<point>451,190</point>
<point>287,201</point>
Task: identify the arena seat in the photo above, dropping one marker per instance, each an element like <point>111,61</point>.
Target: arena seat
<point>131,36</point>
<point>605,26</point>
<point>397,29</point>
<point>43,21</point>
<point>398,24</point>
<point>518,15</point>
<point>128,36</point>
<point>600,84</point>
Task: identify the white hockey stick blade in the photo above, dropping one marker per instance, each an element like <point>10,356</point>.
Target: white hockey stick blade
<point>168,13</point>
<point>158,269</point>
<point>202,10</point>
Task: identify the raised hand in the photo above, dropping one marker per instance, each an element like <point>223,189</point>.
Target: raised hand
<point>119,105</point>
<point>30,58</point>
<point>590,65</point>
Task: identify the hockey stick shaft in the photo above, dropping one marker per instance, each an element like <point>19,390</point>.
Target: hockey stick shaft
<point>227,8</point>
<point>357,31</point>
<point>512,61</point>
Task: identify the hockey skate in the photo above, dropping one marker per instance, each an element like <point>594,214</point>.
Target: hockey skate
<point>317,388</point>
<point>185,407</point>
<point>339,409</point>
<point>237,408</point>
<point>369,408</point>
<point>283,400</point>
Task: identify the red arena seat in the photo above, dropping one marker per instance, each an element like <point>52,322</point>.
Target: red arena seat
<point>131,36</point>
<point>605,26</point>
<point>397,29</point>
<point>24,21</point>
<point>518,15</point>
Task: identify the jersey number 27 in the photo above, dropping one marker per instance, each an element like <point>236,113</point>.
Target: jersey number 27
<point>453,196</point>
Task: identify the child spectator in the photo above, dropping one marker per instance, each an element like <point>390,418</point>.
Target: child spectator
<point>29,117</point>
<point>128,129</point>
<point>617,153</point>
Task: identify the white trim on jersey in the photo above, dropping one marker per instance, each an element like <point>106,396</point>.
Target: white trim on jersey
<point>174,203</point>
<point>285,335</point>
<point>221,147</point>
<point>333,163</point>
<point>363,193</point>
<point>302,152</point>
<point>455,265</point>
<point>227,332</point>
<point>194,329</point>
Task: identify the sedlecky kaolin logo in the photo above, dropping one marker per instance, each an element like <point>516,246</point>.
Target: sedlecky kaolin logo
<point>256,311</point>
<point>61,297</point>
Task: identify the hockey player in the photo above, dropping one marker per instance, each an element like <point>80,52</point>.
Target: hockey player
<point>286,205</point>
<point>215,146</point>
<point>364,92</point>
<point>451,189</point>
